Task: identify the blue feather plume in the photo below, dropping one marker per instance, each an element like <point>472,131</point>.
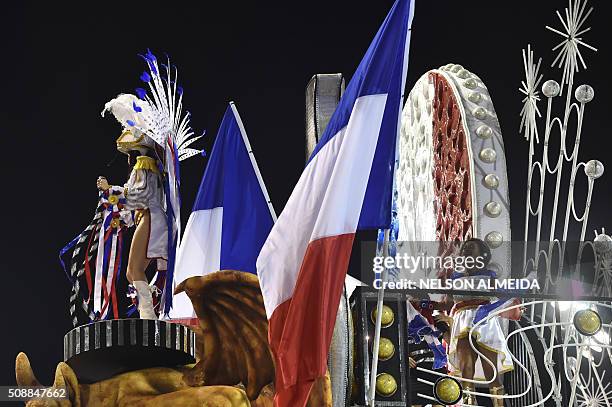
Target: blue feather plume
<point>145,77</point>
<point>151,59</point>
<point>141,93</point>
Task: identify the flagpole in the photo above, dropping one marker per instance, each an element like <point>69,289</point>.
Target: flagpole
<point>381,291</point>
<point>253,162</point>
<point>379,308</point>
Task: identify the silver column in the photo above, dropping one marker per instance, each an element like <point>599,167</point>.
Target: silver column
<point>323,93</point>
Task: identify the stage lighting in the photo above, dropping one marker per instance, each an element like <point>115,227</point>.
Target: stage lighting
<point>387,316</point>
<point>448,390</point>
<point>587,322</point>
<point>386,385</point>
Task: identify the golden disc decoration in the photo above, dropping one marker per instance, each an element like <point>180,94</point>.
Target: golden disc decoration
<point>386,385</point>
<point>587,322</point>
<point>113,199</point>
<point>387,316</point>
<point>386,349</point>
<point>448,390</point>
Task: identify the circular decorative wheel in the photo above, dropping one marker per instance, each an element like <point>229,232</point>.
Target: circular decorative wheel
<point>451,180</point>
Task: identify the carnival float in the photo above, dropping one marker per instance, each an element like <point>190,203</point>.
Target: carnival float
<point>204,326</point>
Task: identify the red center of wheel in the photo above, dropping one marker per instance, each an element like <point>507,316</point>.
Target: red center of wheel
<point>451,171</point>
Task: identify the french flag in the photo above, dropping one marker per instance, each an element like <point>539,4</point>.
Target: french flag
<point>346,186</point>
<point>232,214</point>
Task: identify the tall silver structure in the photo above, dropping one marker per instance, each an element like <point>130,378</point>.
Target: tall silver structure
<point>323,93</point>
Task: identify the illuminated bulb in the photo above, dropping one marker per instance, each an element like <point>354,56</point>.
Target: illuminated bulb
<point>551,88</point>
<point>603,243</point>
<point>475,97</point>
<point>463,74</point>
<point>448,391</point>
<point>587,322</point>
<point>470,83</point>
<point>456,68</point>
<point>488,155</point>
<point>491,181</point>
<point>594,169</point>
<point>484,131</point>
<point>584,93</point>
<point>386,385</point>
<point>387,316</point>
<point>493,209</point>
<point>480,113</point>
<point>494,239</point>
<point>386,349</point>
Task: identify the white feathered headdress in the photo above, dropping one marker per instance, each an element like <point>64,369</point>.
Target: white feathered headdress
<point>159,112</point>
<point>129,111</point>
<point>133,114</point>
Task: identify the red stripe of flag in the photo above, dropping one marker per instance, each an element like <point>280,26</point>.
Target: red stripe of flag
<point>310,311</point>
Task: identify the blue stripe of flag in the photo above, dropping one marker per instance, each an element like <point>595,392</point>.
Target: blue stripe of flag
<point>230,182</point>
<point>382,71</point>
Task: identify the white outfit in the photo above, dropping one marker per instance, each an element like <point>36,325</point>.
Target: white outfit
<point>488,335</point>
<point>144,190</point>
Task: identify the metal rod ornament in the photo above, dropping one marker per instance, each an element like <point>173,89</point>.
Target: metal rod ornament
<point>379,309</point>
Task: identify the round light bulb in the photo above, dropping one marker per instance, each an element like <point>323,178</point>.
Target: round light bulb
<point>448,390</point>
<point>587,322</point>
<point>584,93</point>
<point>551,88</point>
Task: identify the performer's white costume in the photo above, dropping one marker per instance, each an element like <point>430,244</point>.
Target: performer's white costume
<point>144,190</point>
<point>488,334</point>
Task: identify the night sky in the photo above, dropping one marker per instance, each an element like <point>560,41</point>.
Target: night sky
<point>62,62</point>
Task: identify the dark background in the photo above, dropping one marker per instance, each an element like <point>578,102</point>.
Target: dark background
<point>62,62</point>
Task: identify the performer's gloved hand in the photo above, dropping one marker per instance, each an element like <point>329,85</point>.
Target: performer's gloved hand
<point>102,184</point>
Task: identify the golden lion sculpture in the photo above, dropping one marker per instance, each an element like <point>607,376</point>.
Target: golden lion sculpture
<point>234,365</point>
